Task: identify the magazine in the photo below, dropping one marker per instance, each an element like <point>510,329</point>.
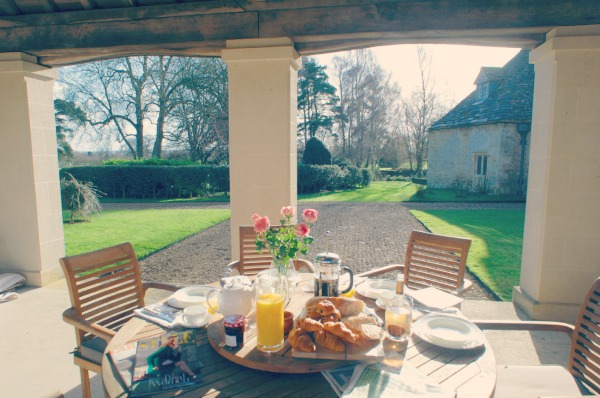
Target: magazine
<point>374,381</point>
<point>123,359</point>
<point>166,362</point>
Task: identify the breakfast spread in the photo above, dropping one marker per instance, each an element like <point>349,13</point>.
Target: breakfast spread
<point>334,323</point>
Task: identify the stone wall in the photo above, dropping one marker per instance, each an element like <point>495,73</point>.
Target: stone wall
<point>451,157</point>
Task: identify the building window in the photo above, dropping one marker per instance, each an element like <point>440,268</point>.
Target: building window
<point>481,164</point>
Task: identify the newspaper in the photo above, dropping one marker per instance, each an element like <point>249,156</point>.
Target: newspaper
<point>380,381</point>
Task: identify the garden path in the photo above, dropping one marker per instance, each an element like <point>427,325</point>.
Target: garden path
<point>365,235</point>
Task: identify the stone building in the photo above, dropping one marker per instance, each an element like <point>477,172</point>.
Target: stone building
<point>482,144</point>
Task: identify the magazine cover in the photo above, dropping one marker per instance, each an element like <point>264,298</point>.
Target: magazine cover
<point>167,362</point>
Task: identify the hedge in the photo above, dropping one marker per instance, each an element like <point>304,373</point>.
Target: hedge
<point>162,182</point>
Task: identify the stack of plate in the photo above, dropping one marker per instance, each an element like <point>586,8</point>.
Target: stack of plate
<point>189,296</point>
<point>448,331</point>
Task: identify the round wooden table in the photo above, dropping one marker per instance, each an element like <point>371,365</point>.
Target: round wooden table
<point>249,372</point>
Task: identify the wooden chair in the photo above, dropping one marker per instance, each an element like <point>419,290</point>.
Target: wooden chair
<point>432,260</point>
<point>105,287</point>
<point>584,359</point>
<point>252,262</point>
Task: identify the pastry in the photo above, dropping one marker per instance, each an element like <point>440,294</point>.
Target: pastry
<point>354,322</point>
<point>346,306</point>
<point>300,340</point>
<point>330,341</point>
<point>340,330</point>
<point>310,325</point>
<point>371,332</point>
<point>325,307</point>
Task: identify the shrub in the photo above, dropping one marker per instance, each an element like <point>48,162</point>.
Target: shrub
<point>80,198</point>
<point>316,153</point>
<point>461,187</point>
<point>422,181</point>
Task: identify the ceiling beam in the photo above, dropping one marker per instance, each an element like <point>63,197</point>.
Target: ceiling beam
<point>205,26</point>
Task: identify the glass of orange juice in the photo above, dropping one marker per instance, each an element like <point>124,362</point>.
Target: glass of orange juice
<point>271,294</point>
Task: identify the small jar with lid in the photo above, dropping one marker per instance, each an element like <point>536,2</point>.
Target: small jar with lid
<point>235,326</point>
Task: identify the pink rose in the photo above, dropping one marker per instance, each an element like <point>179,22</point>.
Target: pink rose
<point>301,230</point>
<point>255,217</point>
<point>310,215</point>
<point>288,211</point>
<point>261,224</point>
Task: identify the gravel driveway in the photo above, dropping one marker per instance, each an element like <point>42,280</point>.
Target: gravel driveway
<point>365,235</point>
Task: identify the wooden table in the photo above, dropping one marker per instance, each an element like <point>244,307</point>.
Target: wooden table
<point>472,373</point>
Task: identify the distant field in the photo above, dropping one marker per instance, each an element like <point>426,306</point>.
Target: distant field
<point>147,230</point>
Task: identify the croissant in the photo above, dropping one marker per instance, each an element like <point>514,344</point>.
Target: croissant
<point>325,307</point>
<point>312,313</point>
<point>330,341</point>
<point>300,340</point>
<point>340,330</point>
<point>308,324</point>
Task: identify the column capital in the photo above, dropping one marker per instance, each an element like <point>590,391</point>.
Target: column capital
<point>253,50</point>
<point>25,63</point>
<point>565,38</point>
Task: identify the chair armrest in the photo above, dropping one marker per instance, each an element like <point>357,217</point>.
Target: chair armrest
<point>161,285</point>
<point>535,326</point>
<point>299,263</point>
<point>382,270</point>
<point>231,267</point>
<point>87,326</point>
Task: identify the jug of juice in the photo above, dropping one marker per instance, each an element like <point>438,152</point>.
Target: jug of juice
<point>271,298</point>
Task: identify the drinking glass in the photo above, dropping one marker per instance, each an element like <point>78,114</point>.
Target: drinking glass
<point>271,296</point>
<point>398,318</point>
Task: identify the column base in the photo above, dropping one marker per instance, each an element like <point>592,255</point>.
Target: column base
<point>38,278</point>
<point>544,311</point>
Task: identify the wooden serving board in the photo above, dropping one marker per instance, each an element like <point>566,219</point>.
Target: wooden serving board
<point>371,351</point>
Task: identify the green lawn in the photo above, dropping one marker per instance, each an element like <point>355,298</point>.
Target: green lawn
<point>497,242</point>
<point>147,230</point>
<point>397,191</point>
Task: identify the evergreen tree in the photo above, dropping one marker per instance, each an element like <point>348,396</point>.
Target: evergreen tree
<point>316,152</point>
<point>315,100</point>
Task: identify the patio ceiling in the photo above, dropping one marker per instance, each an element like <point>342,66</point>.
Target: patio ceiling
<point>62,32</point>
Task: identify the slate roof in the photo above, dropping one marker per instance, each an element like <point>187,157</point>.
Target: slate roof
<point>511,101</point>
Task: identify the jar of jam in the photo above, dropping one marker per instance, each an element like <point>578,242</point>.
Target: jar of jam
<point>235,326</point>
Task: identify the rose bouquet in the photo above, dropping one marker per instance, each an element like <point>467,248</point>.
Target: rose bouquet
<point>285,242</point>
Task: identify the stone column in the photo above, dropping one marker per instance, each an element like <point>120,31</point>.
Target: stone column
<point>262,129</point>
<point>561,246</point>
<point>31,231</point>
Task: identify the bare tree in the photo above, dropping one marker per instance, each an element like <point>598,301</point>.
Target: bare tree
<point>200,116</point>
<point>367,100</point>
<point>418,113</point>
<point>115,96</point>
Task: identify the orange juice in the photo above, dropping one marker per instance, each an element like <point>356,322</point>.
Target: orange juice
<point>269,321</point>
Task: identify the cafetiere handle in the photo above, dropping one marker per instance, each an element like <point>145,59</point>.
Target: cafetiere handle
<point>348,270</point>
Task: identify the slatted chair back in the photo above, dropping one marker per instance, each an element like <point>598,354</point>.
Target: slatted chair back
<point>251,261</point>
<point>435,260</point>
<point>584,361</point>
<point>105,286</point>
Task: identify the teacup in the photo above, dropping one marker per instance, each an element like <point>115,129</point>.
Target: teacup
<point>386,296</point>
<point>195,314</point>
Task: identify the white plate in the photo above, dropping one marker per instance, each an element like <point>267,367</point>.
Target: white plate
<point>372,287</point>
<point>448,331</point>
<point>189,296</point>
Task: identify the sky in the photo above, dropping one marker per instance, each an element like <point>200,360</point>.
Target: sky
<point>453,67</point>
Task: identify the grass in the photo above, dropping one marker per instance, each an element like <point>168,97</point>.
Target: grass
<point>218,197</point>
<point>497,242</point>
<point>147,230</point>
<point>399,191</point>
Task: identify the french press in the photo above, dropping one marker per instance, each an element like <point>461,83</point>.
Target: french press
<point>327,275</point>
